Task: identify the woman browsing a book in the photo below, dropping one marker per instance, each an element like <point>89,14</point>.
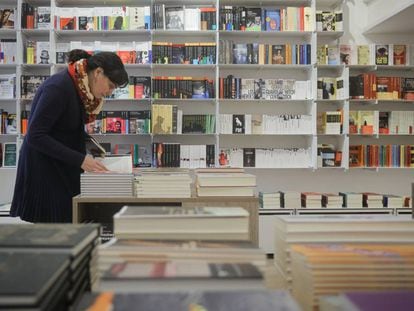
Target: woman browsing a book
<point>53,152</point>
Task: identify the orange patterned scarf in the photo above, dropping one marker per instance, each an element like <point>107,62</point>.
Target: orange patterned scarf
<point>77,71</point>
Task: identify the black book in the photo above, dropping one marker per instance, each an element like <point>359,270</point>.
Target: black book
<point>32,279</point>
<point>249,157</point>
<point>238,124</point>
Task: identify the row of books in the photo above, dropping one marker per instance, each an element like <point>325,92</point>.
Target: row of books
<point>183,156</point>
<point>168,119</point>
<point>330,88</point>
<point>8,154</point>
<point>255,53</point>
<point>371,86</point>
<point>8,51</point>
<point>7,86</point>
<point>381,156</point>
<point>296,199</point>
<point>183,18</point>
<point>364,54</point>
<point>183,87</point>
<point>265,157</point>
<point>131,52</point>
<point>265,124</point>
<point>266,19</point>
<point>184,53</point>
<point>269,89</point>
<point>383,122</point>
<point>102,18</point>
<point>37,52</point>
<point>35,17</point>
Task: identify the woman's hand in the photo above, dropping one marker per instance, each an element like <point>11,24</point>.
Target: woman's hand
<point>92,165</point>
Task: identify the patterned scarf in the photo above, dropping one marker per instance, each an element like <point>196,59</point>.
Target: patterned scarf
<point>77,71</point>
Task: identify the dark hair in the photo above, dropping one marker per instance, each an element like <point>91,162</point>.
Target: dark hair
<point>110,63</point>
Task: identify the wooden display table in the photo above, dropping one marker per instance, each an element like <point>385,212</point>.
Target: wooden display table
<point>101,209</point>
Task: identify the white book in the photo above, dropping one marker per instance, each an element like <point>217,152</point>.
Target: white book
<point>192,19</point>
<point>7,86</point>
<point>42,52</point>
<point>43,17</point>
<point>121,163</point>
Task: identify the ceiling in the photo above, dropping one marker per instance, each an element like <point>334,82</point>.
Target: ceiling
<point>401,23</point>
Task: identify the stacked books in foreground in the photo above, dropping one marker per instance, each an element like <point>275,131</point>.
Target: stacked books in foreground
<point>301,229</point>
<point>46,266</point>
<point>170,248</point>
<point>225,184</point>
<point>395,300</point>
<point>326,269</point>
<point>194,300</point>
<point>106,184</point>
<point>163,184</point>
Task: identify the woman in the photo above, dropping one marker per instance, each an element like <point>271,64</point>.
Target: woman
<point>53,153</point>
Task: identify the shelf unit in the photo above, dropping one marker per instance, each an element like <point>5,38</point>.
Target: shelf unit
<point>216,105</point>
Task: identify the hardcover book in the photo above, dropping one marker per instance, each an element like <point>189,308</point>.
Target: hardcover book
<point>382,54</point>
<point>174,18</point>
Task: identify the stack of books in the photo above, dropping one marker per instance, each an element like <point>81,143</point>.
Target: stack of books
<point>106,184</point>
<point>370,199</point>
<point>224,300</point>
<point>175,275</point>
<point>269,200</point>
<point>291,199</point>
<point>311,199</point>
<point>118,251</point>
<point>56,260</point>
<point>332,200</point>
<point>33,281</point>
<point>336,229</point>
<point>225,184</point>
<point>176,222</point>
<point>326,269</point>
<point>395,300</point>
<point>351,199</point>
<point>163,184</point>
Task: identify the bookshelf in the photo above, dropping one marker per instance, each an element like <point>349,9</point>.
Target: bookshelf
<point>101,210</point>
<point>278,177</point>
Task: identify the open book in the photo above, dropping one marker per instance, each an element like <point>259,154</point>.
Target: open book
<point>94,147</point>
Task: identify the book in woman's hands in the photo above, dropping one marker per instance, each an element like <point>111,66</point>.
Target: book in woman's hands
<point>94,147</point>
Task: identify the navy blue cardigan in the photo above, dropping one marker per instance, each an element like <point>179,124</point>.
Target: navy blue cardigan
<point>49,166</point>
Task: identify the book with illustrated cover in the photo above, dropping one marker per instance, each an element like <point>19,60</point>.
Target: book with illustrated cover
<point>174,18</point>
<point>272,20</point>
<point>253,19</point>
<point>278,54</point>
<point>240,53</point>
<point>43,17</point>
<point>400,54</point>
<point>382,54</point>
<point>7,18</point>
<point>364,54</point>
<point>42,52</point>
<point>238,124</point>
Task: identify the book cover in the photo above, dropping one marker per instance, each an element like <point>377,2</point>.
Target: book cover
<point>400,54</point>
<point>278,54</point>
<point>364,54</point>
<point>7,18</point>
<point>174,18</point>
<point>249,157</point>
<point>238,124</point>
<point>272,20</point>
<point>42,52</point>
<point>240,53</point>
<point>382,54</point>
<point>9,154</point>
<point>43,17</point>
<point>253,19</point>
